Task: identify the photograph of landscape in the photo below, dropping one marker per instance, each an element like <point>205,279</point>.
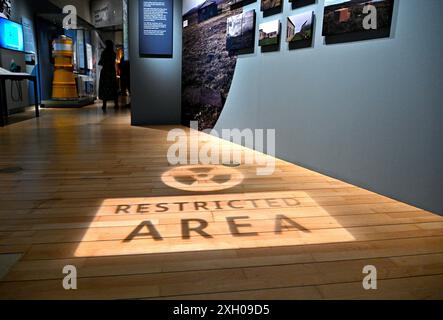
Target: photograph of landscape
<point>240,31</point>
<point>207,67</point>
<point>269,33</point>
<point>300,27</point>
<point>270,4</point>
<point>346,16</point>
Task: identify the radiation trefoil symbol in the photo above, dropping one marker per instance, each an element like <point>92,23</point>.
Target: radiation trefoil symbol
<point>202,178</point>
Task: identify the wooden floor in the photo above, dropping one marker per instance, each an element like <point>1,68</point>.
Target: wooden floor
<point>94,192</point>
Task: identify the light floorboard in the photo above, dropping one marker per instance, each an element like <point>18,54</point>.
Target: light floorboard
<point>98,194</point>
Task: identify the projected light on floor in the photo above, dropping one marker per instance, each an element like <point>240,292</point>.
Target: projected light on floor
<point>199,178</point>
<point>133,226</point>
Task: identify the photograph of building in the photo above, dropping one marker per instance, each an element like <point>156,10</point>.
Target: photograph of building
<point>341,17</point>
<point>300,27</point>
<point>269,33</point>
<point>196,11</point>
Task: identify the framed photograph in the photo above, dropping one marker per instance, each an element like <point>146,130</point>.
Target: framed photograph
<point>365,18</point>
<point>269,33</point>
<point>301,3</point>
<point>267,5</point>
<point>300,27</point>
<point>240,31</point>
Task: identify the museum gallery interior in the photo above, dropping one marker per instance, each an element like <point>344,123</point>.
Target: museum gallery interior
<point>221,149</point>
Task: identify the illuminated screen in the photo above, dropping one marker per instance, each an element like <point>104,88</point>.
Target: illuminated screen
<point>11,35</point>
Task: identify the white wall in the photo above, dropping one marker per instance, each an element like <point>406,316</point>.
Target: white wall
<point>368,112</point>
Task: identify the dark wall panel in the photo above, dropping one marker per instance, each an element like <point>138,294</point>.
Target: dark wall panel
<point>155,82</point>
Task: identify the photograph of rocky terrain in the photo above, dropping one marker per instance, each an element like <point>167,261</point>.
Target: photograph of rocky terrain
<point>270,4</point>
<point>347,16</point>
<point>208,67</point>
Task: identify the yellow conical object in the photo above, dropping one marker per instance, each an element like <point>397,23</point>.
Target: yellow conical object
<point>63,85</point>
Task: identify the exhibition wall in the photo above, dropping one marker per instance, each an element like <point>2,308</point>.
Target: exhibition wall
<point>19,9</point>
<point>43,33</point>
<point>155,82</point>
<point>366,112</point>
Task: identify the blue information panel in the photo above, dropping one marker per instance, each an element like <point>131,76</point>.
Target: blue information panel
<point>155,28</point>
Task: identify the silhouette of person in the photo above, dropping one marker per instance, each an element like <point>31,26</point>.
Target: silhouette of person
<point>108,89</point>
